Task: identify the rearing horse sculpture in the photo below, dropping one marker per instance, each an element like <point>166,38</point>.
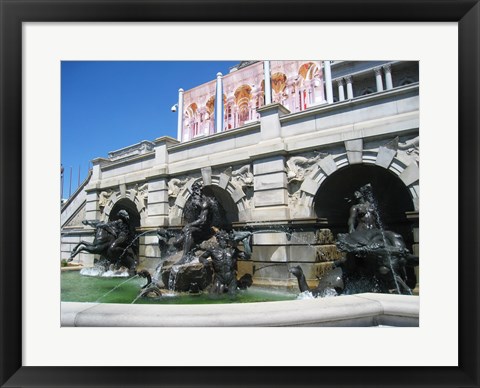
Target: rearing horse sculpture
<point>123,255</point>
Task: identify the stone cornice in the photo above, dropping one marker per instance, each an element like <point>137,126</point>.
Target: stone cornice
<point>272,107</point>
<point>216,136</point>
<point>130,160</point>
<point>135,149</point>
<point>350,102</point>
<point>166,139</point>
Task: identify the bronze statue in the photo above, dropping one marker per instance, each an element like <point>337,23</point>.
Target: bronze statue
<point>112,241</point>
<point>375,258</point>
<point>224,261</point>
<point>365,231</point>
<point>200,228</point>
<point>362,215</point>
<point>246,238</point>
<point>150,289</point>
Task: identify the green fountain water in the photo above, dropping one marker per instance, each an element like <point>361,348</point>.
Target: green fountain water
<point>78,288</point>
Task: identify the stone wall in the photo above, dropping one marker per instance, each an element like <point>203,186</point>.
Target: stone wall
<point>269,171</point>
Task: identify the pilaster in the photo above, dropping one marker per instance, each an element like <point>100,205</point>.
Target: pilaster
<point>270,187</point>
<point>270,126</point>
<point>157,208</point>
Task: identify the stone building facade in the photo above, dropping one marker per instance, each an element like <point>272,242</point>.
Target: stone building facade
<point>283,166</point>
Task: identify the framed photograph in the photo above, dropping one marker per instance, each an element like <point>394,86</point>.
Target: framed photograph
<point>437,41</point>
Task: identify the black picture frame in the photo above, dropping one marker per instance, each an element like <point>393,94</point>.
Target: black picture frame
<point>14,12</point>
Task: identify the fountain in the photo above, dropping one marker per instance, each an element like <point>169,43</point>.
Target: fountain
<point>189,269</point>
<point>203,256</point>
<point>376,259</point>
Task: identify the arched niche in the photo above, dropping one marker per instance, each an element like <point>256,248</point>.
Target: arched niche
<point>131,208</point>
<point>230,196</point>
<point>335,197</point>
<point>229,208</point>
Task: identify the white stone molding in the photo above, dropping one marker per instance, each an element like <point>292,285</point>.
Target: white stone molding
<point>134,150</point>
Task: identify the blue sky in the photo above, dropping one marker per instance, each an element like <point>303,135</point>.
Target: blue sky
<point>108,105</point>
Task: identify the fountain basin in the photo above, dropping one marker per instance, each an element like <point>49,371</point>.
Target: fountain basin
<point>359,310</point>
<point>123,290</point>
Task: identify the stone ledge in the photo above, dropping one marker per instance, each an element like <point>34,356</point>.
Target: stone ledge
<point>350,310</point>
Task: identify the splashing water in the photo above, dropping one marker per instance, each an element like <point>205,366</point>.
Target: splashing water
<point>92,271</point>
<point>99,271</point>
<point>305,295</point>
<point>172,279</point>
<point>384,238</point>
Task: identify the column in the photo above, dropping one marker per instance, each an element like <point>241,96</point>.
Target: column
<point>219,105</point>
<point>388,76</point>
<point>348,80</point>
<point>301,99</point>
<point>310,95</point>
<point>328,81</point>
<point>378,78</point>
<point>180,115</point>
<point>230,114</point>
<point>341,91</point>
<point>268,82</point>
<point>204,121</point>
<point>290,102</point>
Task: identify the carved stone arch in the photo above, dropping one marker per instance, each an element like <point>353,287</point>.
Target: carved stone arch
<point>105,214</point>
<point>134,195</point>
<point>240,199</point>
<point>409,174</point>
<point>222,182</point>
<point>313,182</point>
<point>395,196</point>
<point>117,201</point>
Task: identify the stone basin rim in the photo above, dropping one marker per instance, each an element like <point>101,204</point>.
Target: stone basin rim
<point>357,310</point>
